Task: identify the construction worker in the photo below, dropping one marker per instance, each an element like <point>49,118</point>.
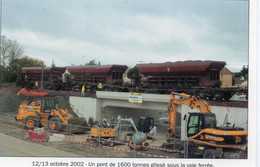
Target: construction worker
<point>36,85</point>
<point>100,86</point>
<point>83,90</point>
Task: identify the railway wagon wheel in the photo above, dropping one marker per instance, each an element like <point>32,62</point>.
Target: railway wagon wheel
<point>219,96</point>
<point>54,124</point>
<point>31,122</point>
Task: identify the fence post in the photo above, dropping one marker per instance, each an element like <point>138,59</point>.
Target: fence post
<point>119,133</point>
<point>186,149</point>
<point>23,132</point>
<point>69,137</point>
<point>134,150</point>
<point>99,131</point>
<point>45,140</point>
<point>184,143</point>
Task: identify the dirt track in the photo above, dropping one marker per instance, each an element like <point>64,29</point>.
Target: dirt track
<point>22,148</point>
<point>9,127</point>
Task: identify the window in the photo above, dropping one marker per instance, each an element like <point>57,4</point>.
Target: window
<point>193,124</point>
<point>210,121</point>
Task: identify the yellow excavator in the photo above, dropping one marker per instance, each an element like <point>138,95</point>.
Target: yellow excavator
<point>204,138</point>
<point>44,113</point>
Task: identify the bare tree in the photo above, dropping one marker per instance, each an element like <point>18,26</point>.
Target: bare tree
<point>5,46</point>
<point>15,52</point>
<point>11,52</point>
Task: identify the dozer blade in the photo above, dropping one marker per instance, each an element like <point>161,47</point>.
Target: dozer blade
<point>78,125</point>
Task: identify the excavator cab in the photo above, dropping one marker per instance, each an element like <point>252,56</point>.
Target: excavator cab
<point>200,121</point>
<point>47,104</point>
<point>145,124</point>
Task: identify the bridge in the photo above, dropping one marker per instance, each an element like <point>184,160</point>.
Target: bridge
<point>112,104</point>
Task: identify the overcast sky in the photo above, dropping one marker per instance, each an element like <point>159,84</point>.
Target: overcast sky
<point>129,31</point>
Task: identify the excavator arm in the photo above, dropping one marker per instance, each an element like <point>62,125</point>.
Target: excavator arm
<point>188,100</point>
<point>129,120</point>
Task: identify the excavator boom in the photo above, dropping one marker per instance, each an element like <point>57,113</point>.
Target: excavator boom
<point>188,100</point>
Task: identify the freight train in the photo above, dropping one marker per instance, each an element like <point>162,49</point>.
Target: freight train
<point>201,78</point>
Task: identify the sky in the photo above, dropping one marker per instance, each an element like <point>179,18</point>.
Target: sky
<point>129,32</point>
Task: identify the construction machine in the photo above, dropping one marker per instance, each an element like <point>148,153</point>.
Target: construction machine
<point>139,140</point>
<point>204,138</point>
<point>108,133</point>
<point>105,132</point>
<point>146,125</point>
<point>45,113</point>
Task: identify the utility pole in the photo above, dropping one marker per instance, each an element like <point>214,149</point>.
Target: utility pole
<point>42,77</point>
<point>1,74</point>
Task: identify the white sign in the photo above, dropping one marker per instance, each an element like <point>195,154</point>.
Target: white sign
<point>135,98</point>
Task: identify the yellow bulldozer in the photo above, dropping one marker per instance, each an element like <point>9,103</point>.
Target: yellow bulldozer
<point>45,113</point>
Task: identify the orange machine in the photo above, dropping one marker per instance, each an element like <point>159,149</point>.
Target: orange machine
<point>44,113</point>
<point>106,134</point>
<point>204,137</point>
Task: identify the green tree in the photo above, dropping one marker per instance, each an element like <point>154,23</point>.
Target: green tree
<point>53,64</point>
<point>12,77</point>
<point>134,74</point>
<point>92,62</point>
<point>244,72</point>
<point>27,62</point>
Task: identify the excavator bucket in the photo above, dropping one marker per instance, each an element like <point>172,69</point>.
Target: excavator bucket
<point>76,125</point>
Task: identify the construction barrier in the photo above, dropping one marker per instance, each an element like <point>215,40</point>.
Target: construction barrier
<point>34,136</point>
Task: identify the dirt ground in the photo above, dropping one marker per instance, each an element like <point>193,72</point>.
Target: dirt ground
<point>9,103</point>
<point>71,143</point>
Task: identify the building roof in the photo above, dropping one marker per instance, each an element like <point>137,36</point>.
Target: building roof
<point>239,81</point>
<point>226,71</point>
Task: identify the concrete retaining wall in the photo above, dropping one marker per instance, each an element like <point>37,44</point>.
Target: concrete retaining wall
<point>84,106</point>
<point>237,116</point>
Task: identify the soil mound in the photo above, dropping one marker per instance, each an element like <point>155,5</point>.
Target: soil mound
<point>63,103</point>
<point>9,101</point>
